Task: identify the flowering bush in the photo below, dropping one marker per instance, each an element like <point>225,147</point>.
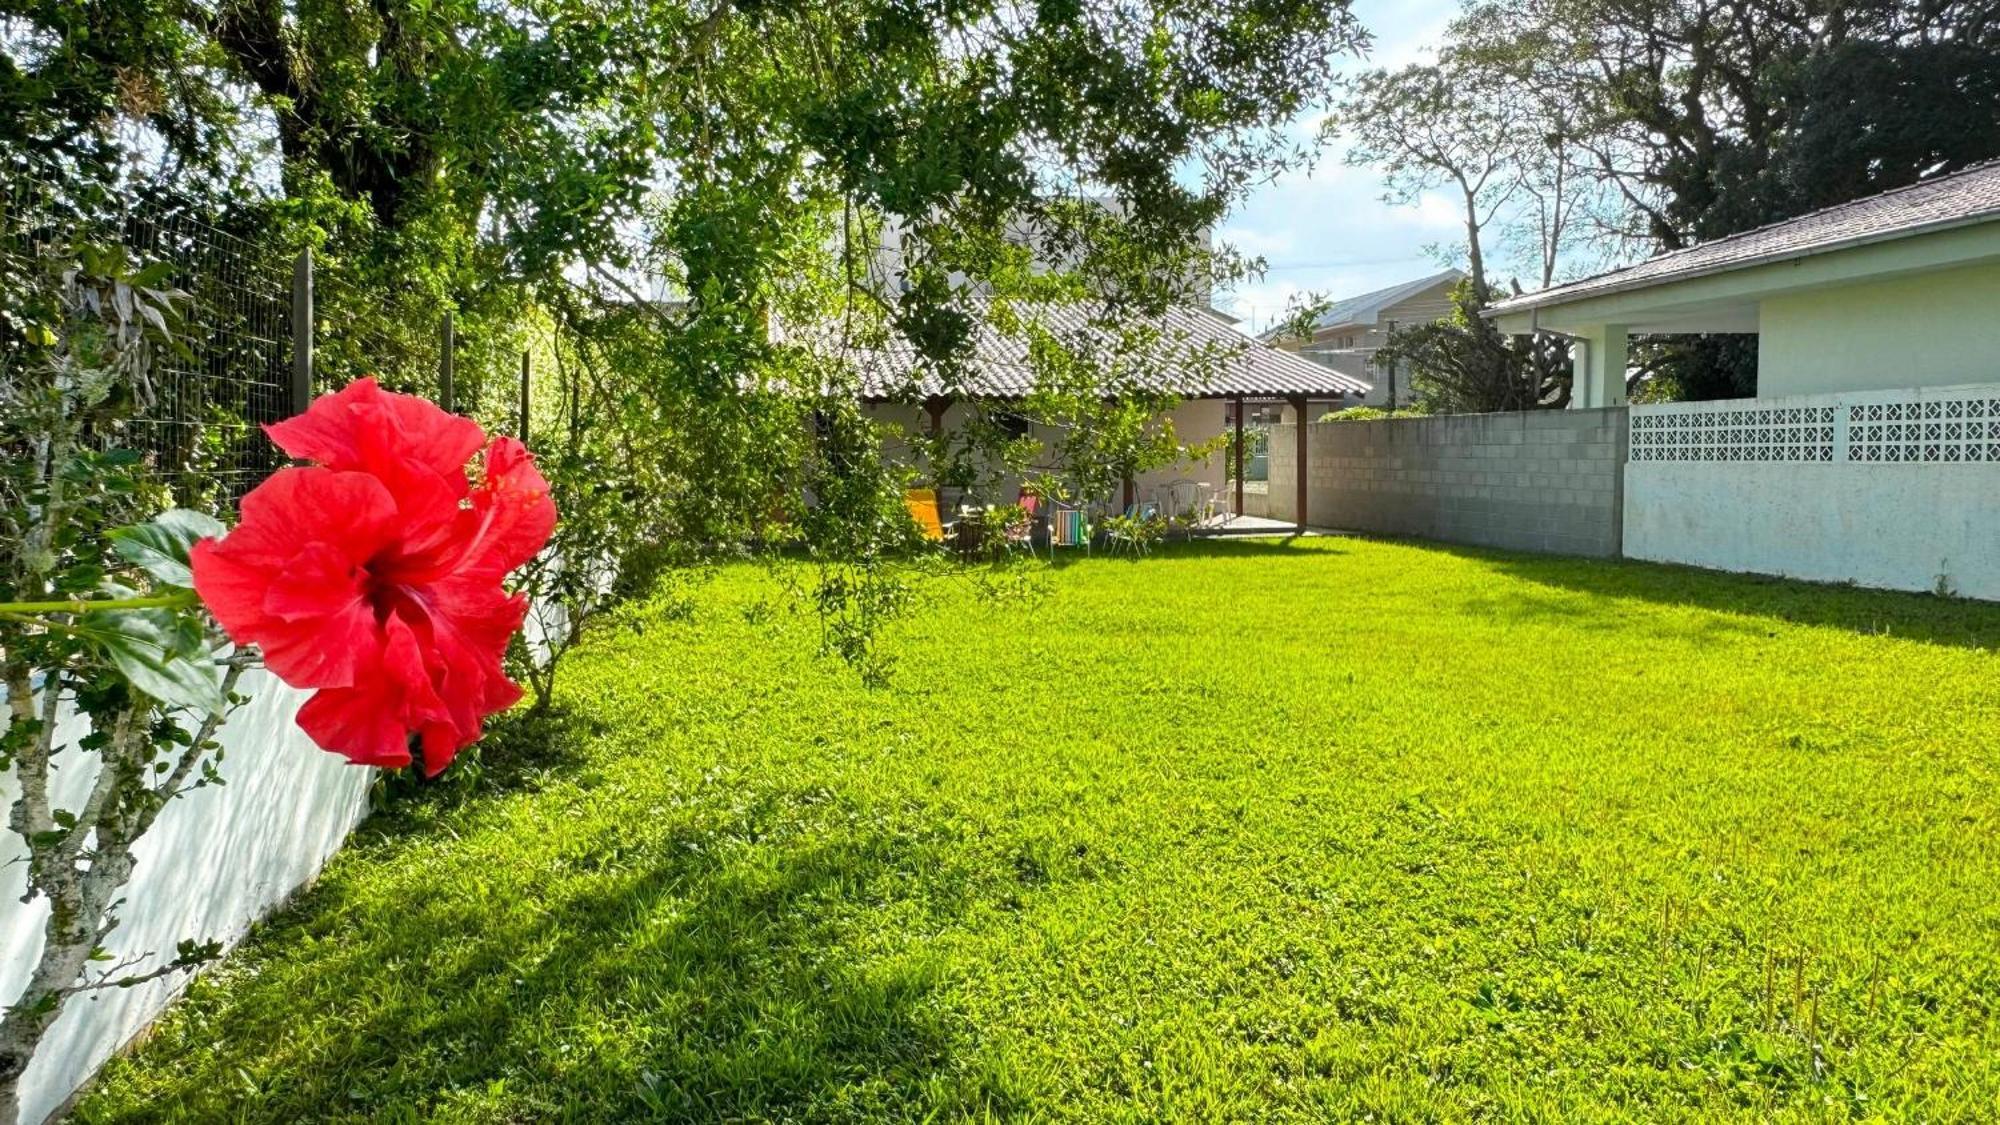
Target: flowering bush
<point>374,575</point>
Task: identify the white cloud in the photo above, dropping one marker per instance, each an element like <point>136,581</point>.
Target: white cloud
<point>1435,212</point>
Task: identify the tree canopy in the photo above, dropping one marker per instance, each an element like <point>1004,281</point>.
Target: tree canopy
<point>669,200</point>
<point>1591,131</point>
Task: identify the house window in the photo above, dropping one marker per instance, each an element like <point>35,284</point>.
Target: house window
<point>1015,426</point>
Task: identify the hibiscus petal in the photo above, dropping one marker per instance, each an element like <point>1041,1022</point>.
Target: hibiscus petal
<point>322,620</point>
<point>232,588</point>
<point>352,511</point>
<point>361,426</point>
<point>509,521</point>
<point>348,722</point>
<point>429,519</point>
<point>287,578</point>
<point>371,722</point>
<point>464,626</point>
<point>513,501</point>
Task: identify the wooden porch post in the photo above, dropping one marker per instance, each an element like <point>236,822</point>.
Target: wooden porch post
<point>302,332</point>
<point>526,370</point>
<point>1239,455</point>
<point>1299,474</point>
<point>936,405</point>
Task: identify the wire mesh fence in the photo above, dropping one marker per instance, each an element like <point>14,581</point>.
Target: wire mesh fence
<point>231,372</point>
<point>263,331</point>
<point>356,335</point>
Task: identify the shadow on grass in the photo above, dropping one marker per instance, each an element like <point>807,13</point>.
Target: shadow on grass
<point>521,751</point>
<point>1927,618</point>
<point>699,964</point>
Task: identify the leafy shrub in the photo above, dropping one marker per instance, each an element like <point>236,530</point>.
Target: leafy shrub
<point>1372,414</point>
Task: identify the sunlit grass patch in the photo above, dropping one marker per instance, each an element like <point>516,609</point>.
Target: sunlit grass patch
<point>1257,831</point>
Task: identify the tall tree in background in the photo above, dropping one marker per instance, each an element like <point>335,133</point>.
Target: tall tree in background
<point>1704,118</point>
<point>449,152</point>
<point>575,160</point>
<point>1467,126</point>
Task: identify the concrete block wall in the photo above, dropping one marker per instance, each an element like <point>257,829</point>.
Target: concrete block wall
<point>1897,489</point>
<point>1545,480</point>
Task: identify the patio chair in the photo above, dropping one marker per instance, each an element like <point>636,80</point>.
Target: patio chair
<point>1124,538</point>
<point>1069,526</point>
<point>1021,533</point>
<point>1206,505</point>
<point>923,507</point>
<point>1192,502</point>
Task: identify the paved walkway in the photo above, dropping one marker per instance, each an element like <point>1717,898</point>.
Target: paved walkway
<point>1228,526</point>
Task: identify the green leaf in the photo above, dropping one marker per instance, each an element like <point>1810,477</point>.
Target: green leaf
<point>161,546</point>
<point>160,656</point>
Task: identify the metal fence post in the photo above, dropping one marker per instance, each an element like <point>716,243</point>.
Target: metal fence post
<point>526,360</point>
<point>302,332</point>
<point>447,393</point>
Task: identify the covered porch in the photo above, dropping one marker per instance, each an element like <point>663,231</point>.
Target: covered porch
<point>1219,377</point>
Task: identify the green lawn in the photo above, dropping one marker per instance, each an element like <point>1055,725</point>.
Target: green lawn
<point>1253,832</point>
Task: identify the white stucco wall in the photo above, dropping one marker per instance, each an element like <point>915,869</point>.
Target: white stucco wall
<point>1897,489</point>
<point>1195,421</point>
<point>1942,326</point>
<point>215,861</point>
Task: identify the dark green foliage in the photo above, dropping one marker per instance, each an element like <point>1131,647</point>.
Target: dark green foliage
<point>1683,121</point>
<point>1694,368</point>
<point>1795,105</point>
<point>1463,365</point>
<point>95,614</point>
<point>533,166</point>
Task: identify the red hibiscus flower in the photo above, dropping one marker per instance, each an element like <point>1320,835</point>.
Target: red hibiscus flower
<point>374,575</point>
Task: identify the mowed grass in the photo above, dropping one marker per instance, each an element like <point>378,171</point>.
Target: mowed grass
<point>1250,832</point>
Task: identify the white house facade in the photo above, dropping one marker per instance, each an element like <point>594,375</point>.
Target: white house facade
<point>1895,290</point>
<point>1871,453</point>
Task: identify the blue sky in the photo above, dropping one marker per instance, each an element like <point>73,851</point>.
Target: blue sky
<point>1327,230</point>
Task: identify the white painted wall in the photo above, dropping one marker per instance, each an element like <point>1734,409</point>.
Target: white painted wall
<point>1195,421</point>
<point>215,861</point>
<point>1695,494</point>
<point>1879,335</point>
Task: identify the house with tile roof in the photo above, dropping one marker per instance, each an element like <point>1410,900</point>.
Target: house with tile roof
<point>1897,290</point>
<point>1194,355</point>
<point>1870,452</point>
<point>1348,334</point>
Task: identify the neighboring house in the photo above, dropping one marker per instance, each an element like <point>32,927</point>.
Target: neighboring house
<point>1895,290</point>
<point>1871,453</point>
<point>1347,336</point>
<point>1219,374</point>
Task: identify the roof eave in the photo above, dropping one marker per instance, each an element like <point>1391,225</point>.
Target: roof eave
<point>1555,298</point>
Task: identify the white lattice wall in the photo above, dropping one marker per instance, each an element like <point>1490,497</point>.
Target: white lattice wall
<point>1885,488</point>
<point>1706,432</point>
<point>1956,424</point>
